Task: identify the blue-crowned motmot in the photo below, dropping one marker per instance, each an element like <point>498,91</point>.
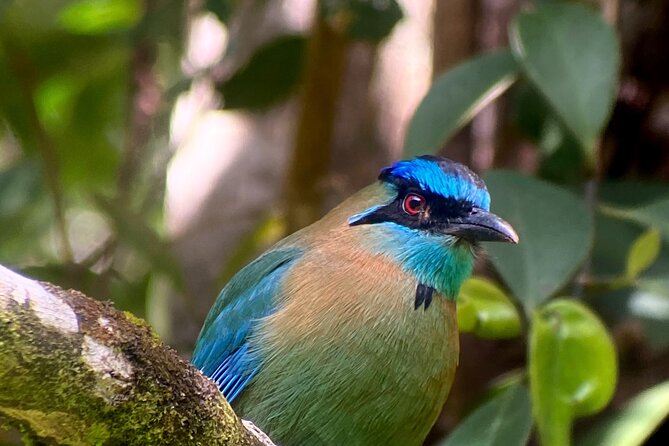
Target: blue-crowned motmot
<point>345,333</point>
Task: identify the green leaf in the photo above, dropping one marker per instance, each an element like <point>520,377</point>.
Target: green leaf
<point>505,420</point>
<point>572,56</point>
<point>643,253</point>
<point>486,310</point>
<point>100,16</point>
<point>371,21</point>
<point>555,231</point>
<point>635,423</point>
<point>271,75</point>
<point>562,161</point>
<point>573,367</point>
<point>54,101</point>
<point>455,98</point>
<point>654,214</point>
<point>615,233</point>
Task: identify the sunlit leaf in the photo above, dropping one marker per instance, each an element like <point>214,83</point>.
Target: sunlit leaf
<point>486,310</point>
<point>634,423</point>
<point>100,16</point>
<point>271,75</point>
<point>572,56</point>
<point>54,102</point>
<point>555,231</point>
<point>643,253</point>
<point>505,420</point>
<point>455,97</point>
<point>573,367</point>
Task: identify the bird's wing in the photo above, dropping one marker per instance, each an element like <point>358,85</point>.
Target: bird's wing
<point>222,350</point>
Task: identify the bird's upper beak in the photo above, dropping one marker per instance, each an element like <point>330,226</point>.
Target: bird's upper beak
<point>481,225</point>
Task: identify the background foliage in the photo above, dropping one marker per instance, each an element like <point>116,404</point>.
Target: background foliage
<point>565,108</point>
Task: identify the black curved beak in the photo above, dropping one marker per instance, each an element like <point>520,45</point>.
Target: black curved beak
<point>482,226</point>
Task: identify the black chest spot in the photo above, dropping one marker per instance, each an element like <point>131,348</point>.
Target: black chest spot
<point>423,296</point>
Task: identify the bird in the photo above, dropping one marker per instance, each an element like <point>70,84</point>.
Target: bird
<point>345,332</point>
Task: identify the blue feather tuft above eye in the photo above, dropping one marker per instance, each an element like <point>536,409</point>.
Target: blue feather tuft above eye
<point>440,176</point>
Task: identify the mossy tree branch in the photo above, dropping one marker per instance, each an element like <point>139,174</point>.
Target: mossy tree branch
<point>74,370</point>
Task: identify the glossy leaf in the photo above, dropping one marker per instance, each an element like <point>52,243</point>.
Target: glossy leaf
<point>486,310</point>
<point>455,97</point>
<point>643,253</point>
<point>270,76</point>
<point>635,423</point>
<point>505,420</point>
<point>572,56</point>
<point>573,368</point>
<point>555,233</point>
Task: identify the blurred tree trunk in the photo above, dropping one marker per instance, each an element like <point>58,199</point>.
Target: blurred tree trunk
<point>454,35</point>
<point>310,160</point>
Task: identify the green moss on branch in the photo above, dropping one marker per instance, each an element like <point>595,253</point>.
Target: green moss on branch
<point>76,371</point>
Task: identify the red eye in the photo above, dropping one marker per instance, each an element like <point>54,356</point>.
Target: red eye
<point>413,204</point>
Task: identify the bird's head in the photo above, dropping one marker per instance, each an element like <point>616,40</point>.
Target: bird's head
<point>435,211</point>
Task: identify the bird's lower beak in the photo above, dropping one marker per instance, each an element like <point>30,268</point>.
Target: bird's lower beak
<point>483,226</point>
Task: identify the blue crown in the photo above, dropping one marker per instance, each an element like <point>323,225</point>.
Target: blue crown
<point>440,176</point>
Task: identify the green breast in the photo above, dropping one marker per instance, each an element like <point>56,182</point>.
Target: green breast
<point>354,364</point>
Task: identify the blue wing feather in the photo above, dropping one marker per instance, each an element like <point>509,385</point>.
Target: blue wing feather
<point>222,350</point>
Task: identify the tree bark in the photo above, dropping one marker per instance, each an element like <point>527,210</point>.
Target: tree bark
<point>74,370</point>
